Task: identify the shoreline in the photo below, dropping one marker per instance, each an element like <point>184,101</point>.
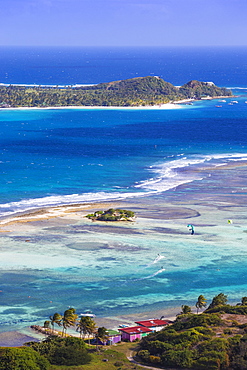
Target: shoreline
<point>45,213</point>
<point>86,107</point>
<point>171,105</point>
<point>198,209</point>
<point>15,338</point>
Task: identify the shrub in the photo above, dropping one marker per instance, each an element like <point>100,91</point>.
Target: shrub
<point>215,344</point>
<point>178,358</point>
<point>227,331</point>
<point>213,360</point>
<point>197,320</point>
<point>118,363</point>
<point>63,351</point>
<point>205,363</point>
<point>144,354</point>
<point>155,359</point>
<point>22,359</point>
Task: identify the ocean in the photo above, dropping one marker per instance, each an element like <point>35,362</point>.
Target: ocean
<point>62,156</point>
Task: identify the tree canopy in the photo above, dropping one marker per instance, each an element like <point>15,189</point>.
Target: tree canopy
<point>67,351</point>
<point>139,91</point>
<point>22,359</point>
<point>112,215</point>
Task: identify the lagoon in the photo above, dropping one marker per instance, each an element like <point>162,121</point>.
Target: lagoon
<point>172,167</point>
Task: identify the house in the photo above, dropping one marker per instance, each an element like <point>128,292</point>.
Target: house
<point>113,337</point>
<point>134,332</point>
<point>153,324</point>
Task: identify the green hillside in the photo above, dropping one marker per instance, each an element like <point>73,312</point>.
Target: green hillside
<point>213,340</point>
<point>140,91</point>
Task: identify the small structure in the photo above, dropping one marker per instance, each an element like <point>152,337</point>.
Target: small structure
<point>134,332</point>
<point>114,337</point>
<point>153,324</point>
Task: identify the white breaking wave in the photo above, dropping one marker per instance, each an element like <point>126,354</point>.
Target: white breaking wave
<point>166,176</point>
<point>169,175</point>
<point>237,88</point>
<point>59,200</point>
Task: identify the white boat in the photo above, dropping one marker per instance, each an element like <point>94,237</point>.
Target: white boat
<point>87,313</point>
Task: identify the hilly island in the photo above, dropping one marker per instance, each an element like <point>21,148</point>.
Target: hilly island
<point>139,91</point>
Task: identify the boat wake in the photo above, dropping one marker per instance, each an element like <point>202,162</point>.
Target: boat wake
<point>157,259</point>
<point>150,276</point>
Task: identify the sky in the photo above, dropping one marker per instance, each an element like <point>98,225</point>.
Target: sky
<point>123,22</point>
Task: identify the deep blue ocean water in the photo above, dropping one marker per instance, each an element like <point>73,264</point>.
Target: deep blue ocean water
<point>55,157</point>
<point>224,66</point>
<point>96,154</point>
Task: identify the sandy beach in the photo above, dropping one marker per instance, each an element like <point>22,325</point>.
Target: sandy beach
<point>18,338</point>
<point>172,105</point>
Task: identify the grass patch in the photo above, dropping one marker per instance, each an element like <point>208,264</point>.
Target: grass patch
<point>113,358</point>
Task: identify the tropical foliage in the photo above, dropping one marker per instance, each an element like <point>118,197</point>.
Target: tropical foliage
<point>68,319</point>
<point>207,341</point>
<point>218,300</point>
<point>86,326</point>
<point>102,335</point>
<point>185,309</point>
<point>62,351</point>
<point>138,91</point>
<point>112,215</point>
<point>22,359</point>
<point>201,302</point>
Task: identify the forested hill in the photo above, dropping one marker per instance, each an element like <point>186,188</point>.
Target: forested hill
<point>138,91</point>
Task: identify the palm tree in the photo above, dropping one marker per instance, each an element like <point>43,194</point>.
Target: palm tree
<point>218,300</point>
<point>185,309</point>
<point>101,335</point>
<point>86,326</point>
<point>68,319</point>
<point>55,319</point>
<point>244,301</point>
<point>201,302</point>
<point>47,326</point>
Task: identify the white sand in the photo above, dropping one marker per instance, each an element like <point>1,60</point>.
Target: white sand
<point>161,106</point>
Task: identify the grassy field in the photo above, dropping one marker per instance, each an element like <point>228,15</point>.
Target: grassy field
<point>108,358</point>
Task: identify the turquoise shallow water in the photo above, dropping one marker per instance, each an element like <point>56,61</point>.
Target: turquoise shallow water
<point>164,164</point>
<point>55,157</point>
<point>116,269</point>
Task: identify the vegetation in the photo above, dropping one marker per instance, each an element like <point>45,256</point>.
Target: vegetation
<point>210,341</point>
<point>186,309</point>
<point>138,91</point>
<point>62,351</point>
<point>112,215</point>
<point>107,359</point>
<point>201,302</point>
<point>86,326</point>
<point>218,300</point>
<point>22,359</point>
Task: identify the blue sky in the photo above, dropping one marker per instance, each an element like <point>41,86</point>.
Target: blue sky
<point>123,22</point>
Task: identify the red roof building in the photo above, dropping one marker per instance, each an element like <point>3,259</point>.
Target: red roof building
<point>134,332</point>
<point>153,324</point>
